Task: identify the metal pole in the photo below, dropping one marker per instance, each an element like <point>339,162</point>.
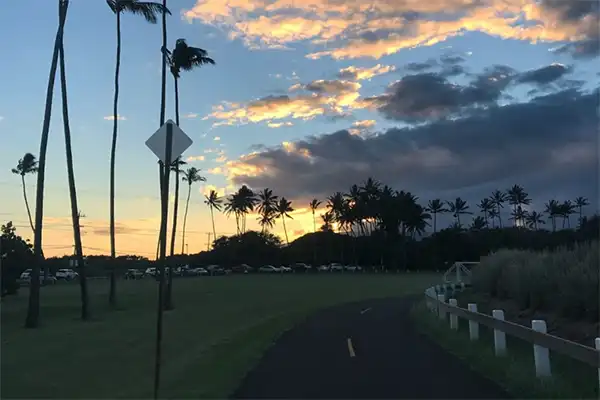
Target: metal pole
<point>162,259</point>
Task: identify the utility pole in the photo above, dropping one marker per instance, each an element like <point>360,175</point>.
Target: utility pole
<point>208,242</point>
<point>187,251</point>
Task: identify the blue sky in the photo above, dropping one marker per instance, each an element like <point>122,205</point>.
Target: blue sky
<point>250,66</point>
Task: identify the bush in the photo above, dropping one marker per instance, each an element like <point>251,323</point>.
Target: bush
<point>564,281</point>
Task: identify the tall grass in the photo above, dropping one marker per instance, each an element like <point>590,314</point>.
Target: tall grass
<point>564,281</point>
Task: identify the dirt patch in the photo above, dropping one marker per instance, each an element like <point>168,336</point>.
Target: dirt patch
<point>579,331</point>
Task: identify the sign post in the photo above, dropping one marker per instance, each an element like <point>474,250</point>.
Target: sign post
<point>168,142</point>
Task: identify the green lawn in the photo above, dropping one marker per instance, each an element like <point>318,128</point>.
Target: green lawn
<point>219,329</point>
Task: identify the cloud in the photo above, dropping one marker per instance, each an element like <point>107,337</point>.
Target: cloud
<point>190,115</point>
<point>544,75</point>
<point>368,123</point>
<point>375,28</point>
<point>217,138</point>
<point>221,159</point>
<point>205,190</point>
<point>112,118</point>
<point>547,144</point>
<point>195,158</point>
<point>120,229</point>
<point>333,98</point>
<point>279,124</point>
<point>358,74</point>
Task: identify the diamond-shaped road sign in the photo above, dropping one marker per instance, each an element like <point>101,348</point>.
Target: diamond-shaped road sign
<point>158,141</point>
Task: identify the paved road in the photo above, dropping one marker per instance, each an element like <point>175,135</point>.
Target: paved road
<point>384,359</point>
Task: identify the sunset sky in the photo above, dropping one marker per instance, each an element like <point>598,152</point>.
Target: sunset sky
<point>442,98</point>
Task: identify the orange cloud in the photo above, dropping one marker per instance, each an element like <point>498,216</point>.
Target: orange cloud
<point>375,28</point>
<point>195,158</point>
<point>367,123</point>
<point>359,74</point>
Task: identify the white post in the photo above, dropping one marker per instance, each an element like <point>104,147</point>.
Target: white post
<point>473,326</point>
<point>541,355</point>
<point>453,317</point>
<point>441,312</point>
<point>598,348</point>
<point>499,336</point>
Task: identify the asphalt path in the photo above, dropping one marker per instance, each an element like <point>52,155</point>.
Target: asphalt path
<point>365,350</point>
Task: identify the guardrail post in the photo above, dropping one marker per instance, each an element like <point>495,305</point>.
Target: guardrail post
<point>499,336</point>
<point>473,326</point>
<point>441,312</point>
<point>541,355</point>
<point>598,348</point>
<point>453,317</point>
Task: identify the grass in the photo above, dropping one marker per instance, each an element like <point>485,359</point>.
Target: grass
<point>515,371</point>
<point>218,331</point>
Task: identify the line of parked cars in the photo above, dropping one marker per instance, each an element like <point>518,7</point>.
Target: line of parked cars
<point>63,274</point>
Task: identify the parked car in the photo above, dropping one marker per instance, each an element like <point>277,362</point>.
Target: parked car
<point>152,271</point>
<point>268,269</point>
<point>323,268</point>
<point>133,273</point>
<point>283,268</point>
<point>354,268</point>
<point>198,271</point>
<point>66,274</point>
<point>301,267</point>
<point>242,269</point>
<point>26,278</point>
<point>336,267</point>
<point>215,270</point>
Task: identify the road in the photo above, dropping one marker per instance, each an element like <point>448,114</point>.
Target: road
<point>362,350</point>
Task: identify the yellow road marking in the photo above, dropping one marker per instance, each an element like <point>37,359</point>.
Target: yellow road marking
<point>350,348</point>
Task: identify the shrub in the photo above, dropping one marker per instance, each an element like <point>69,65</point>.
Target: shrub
<point>564,281</point>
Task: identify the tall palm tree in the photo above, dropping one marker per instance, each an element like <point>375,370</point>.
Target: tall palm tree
<point>517,197</point>
<point>149,10</point>
<point>552,208</point>
<point>567,208</point>
<point>519,216</point>
<point>267,203</point>
<point>328,220</point>
<point>458,207</point>
<point>33,308</point>
<point>175,167</point>
<point>214,202</point>
<point>499,198</point>
<point>435,207</point>
<point>284,207</point>
<point>186,58</point>
<point>75,214</point>
<point>580,202</point>
<point>478,223</point>
<point>534,219</point>
<point>191,176</point>
<point>314,204</point>
<point>26,165</point>
<point>486,205</point>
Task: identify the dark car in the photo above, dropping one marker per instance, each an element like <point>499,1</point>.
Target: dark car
<point>133,273</point>
<point>242,269</point>
<point>215,270</point>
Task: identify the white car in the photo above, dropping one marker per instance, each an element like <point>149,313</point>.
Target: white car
<point>268,268</point>
<point>353,268</point>
<point>150,271</point>
<point>66,273</point>
<point>323,268</point>
<point>283,268</point>
<point>336,267</point>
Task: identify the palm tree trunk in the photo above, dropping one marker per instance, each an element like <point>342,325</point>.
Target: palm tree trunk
<point>580,214</point>
<point>72,190</point>
<point>434,222</point>
<point>33,307</point>
<point>187,203</point>
<point>27,203</point>
<point>112,294</point>
<point>175,209</point>
<point>285,230</point>
<point>314,222</point>
<point>212,217</point>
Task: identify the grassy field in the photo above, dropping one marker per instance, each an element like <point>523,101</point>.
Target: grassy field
<point>218,331</point>
<point>516,371</point>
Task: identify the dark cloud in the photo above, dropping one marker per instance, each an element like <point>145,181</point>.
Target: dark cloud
<point>420,66</point>
<point>331,86</point>
<point>453,70</point>
<point>451,59</point>
<point>573,10</point>
<point>547,144</point>
<point>544,75</point>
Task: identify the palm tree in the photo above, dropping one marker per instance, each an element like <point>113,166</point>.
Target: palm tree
<point>435,207</point>
<point>534,219</point>
<point>33,308</point>
<point>519,216</point>
<point>175,167</point>
<point>214,202</point>
<point>517,197</point>
<point>149,11</point>
<point>478,223</point>
<point>267,203</point>
<point>552,208</point>
<point>498,199</point>
<point>328,220</point>
<point>183,57</point>
<point>566,209</point>
<point>580,202</point>
<point>314,204</point>
<point>75,214</point>
<point>26,165</point>
<point>283,208</point>
<point>486,206</point>
<point>458,207</point>
<point>191,176</point>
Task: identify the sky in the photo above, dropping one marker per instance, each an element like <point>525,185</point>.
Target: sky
<point>443,98</point>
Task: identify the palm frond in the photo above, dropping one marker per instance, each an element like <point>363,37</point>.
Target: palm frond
<point>147,9</point>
